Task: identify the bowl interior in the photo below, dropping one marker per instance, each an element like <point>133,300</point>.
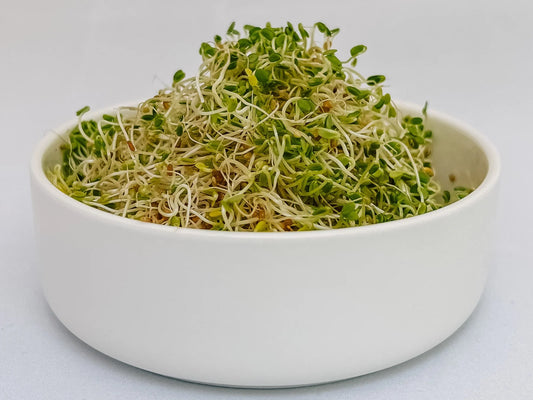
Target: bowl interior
<point>458,158</point>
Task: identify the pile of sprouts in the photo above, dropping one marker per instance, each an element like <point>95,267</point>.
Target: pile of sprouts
<point>274,133</point>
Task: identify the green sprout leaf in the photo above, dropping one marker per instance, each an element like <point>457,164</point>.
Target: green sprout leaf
<point>303,33</point>
<point>323,29</point>
<point>262,75</point>
<point>328,133</point>
<point>349,212</point>
<point>359,94</point>
<point>179,75</point>
<point>82,111</point>
<point>375,79</point>
<point>274,57</point>
<point>207,50</point>
<point>357,50</point>
<point>306,105</point>
<point>231,30</point>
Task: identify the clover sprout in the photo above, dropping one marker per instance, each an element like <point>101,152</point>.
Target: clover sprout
<point>276,132</point>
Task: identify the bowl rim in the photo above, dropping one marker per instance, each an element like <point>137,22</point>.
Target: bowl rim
<point>485,187</point>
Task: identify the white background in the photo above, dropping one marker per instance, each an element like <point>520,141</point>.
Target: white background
<point>471,59</point>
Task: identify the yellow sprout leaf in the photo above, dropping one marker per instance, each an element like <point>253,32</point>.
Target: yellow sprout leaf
<point>251,77</point>
<point>262,226</point>
<point>217,212</point>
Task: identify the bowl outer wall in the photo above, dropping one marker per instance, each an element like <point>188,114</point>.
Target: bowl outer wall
<point>263,309</point>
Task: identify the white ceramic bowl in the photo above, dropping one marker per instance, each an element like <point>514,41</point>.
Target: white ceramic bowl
<point>269,309</point>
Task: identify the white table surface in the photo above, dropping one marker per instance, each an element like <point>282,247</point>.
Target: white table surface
<point>471,59</point>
